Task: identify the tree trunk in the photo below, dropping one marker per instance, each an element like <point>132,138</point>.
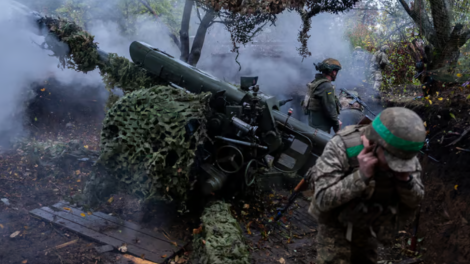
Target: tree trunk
<point>200,37</point>
<point>184,32</point>
<point>445,38</point>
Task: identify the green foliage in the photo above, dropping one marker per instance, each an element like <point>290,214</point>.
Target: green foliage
<point>403,64</point>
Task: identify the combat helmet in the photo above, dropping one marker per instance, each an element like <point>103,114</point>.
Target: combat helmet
<point>401,133</point>
<point>328,65</point>
<point>385,48</point>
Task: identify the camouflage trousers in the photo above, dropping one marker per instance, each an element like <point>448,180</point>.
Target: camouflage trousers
<point>377,79</point>
<point>333,248</point>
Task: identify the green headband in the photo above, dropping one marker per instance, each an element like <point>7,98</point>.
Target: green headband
<point>393,140</point>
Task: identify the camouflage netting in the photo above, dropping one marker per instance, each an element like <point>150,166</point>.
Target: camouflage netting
<point>83,56</point>
<point>221,239</point>
<point>145,143</point>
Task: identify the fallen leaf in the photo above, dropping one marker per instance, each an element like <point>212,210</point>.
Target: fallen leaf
<point>78,180</point>
<point>164,256</point>
<point>36,166</point>
<point>424,123</point>
<point>86,146</point>
<point>83,214</point>
<point>43,89</point>
<point>36,119</point>
<point>440,98</point>
<point>197,231</point>
<point>468,96</point>
<point>15,234</point>
<point>123,248</point>
<point>456,186</point>
<point>110,200</point>
<point>430,102</point>
<point>452,115</point>
<point>68,209</point>
<point>1,226</point>
<point>282,261</point>
<point>89,213</point>
<point>77,172</point>
<point>246,206</point>
<point>24,261</point>
<point>459,75</point>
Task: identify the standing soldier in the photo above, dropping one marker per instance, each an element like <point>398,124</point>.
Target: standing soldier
<point>321,103</point>
<point>367,182</point>
<point>359,61</point>
<point>378,63</point>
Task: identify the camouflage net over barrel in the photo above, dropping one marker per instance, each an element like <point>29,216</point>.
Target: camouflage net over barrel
<point>144,141</point>
<point>82,55</point>
<point>221,239</point>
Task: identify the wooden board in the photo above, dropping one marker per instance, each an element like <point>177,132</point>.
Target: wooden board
<point>110,230</point>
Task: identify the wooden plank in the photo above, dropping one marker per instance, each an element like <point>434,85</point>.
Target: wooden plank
<point>116,243</point>
<point>130,225</point>
<point>127,235</point>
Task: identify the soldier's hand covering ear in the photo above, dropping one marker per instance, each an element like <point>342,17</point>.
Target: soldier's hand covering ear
<point>367,159</point>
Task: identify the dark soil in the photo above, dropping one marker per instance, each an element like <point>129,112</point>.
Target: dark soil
<point>445,213</point>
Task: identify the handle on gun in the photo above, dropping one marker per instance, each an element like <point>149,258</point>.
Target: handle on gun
<point>414,238</point>
<point>300,185</point>
<point>292,198</point>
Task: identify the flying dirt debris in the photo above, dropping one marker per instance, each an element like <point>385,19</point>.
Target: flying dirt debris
<point>179,132</point>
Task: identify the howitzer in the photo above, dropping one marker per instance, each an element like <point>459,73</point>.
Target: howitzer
<point>247,133</point>
<point>247,124</point>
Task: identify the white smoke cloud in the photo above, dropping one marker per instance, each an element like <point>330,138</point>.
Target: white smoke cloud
<point>282,73</point>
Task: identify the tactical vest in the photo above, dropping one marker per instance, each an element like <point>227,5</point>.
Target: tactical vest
<point>376,213</point>
<point>314,104</point>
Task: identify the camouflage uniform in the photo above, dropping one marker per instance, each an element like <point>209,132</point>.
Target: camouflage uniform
<point>323,105</point>
<point>347,232</point>
<point>378,63</point>
<point>345,101</point>
<point>350,114</point>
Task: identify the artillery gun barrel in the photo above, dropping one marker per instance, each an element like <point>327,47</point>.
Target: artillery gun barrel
<point>172,70</point>
<point>194,80</point>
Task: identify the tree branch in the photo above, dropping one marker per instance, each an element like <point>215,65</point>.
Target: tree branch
<point>407,8</point>
<point>184,32</point>
<point>170,34</point>
<point>149,8</point>
<point>198,14</point>
<point>464,38</point>
<point>198,43</point>
<point>419,16</point>
<point>441,20</point>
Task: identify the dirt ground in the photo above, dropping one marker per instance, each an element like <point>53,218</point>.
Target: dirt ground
<point>445,213</point>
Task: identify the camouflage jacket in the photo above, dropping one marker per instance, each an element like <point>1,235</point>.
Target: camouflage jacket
<point>338,182</point>
<point>323,105</point>
<point>379,61</point>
